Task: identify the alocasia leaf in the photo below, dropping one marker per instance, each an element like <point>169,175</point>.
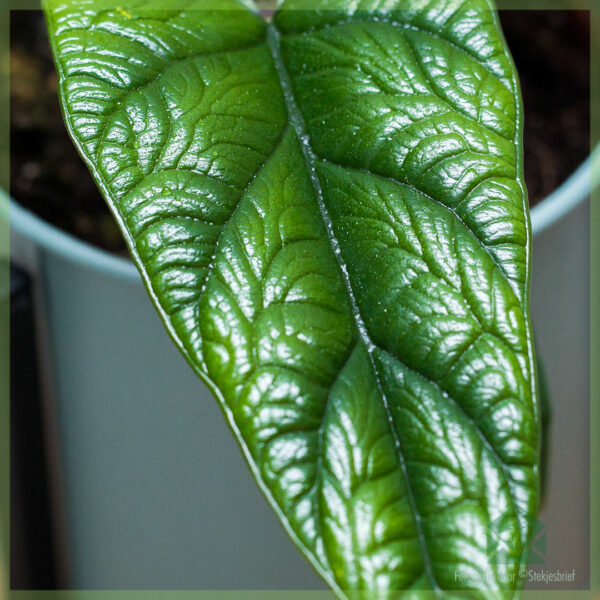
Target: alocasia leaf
<point>329,214</point>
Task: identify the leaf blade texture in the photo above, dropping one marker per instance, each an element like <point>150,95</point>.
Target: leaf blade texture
<point>329,214</point>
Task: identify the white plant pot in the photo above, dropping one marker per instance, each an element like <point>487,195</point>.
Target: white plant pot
<point>157,494</point>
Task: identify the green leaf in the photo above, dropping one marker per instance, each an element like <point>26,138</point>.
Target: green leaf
<point>329,214</point>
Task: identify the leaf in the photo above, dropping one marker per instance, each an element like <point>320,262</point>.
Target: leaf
<point>329,214</point>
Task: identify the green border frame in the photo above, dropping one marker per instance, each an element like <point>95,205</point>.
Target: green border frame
<point>4,305</point>
<point>6,594</point>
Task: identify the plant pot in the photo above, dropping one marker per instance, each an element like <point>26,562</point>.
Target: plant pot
<point>156,493</point>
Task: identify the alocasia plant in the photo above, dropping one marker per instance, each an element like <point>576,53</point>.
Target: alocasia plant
<point>328,212</point>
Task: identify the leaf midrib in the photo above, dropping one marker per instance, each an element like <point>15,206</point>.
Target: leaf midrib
<point>297,121</point>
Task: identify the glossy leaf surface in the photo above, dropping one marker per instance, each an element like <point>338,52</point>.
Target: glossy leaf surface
<point>328,212</point>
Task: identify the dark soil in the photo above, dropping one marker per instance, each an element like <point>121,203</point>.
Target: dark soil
<point>550,48</point>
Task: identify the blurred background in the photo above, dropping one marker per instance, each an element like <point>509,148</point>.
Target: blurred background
<point>116,482</point>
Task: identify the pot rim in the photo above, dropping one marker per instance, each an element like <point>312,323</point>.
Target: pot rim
<point>546,213</point>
